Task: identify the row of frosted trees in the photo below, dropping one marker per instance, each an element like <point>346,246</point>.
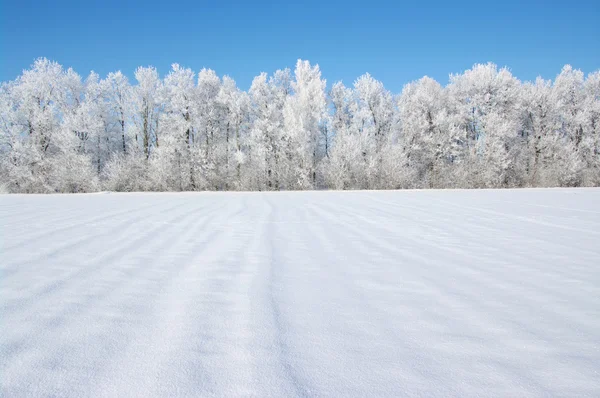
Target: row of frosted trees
<point>60,133</point>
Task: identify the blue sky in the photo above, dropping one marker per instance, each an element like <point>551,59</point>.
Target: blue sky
<point>395,41</point>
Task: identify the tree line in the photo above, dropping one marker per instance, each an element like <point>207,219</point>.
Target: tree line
<point>484,129</point>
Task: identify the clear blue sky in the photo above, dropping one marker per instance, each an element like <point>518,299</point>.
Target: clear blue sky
<point>395,41</point>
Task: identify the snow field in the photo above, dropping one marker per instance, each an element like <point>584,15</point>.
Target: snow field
<point>409,293</point>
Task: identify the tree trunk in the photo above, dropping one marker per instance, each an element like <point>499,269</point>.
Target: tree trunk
<point>123,133</point>
<point>189,149</point>
<point>227,158</point>
<point>146,137</point>
<point>239,148</point>
<point>156,133</point>
<point>98,150</point>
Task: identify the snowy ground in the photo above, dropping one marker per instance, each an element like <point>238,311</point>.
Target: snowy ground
<point>415,293</point>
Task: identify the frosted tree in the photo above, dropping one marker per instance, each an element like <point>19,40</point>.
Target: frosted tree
<point>539,129</point>
<point>486,100</point>
<point>147,107</point>
<point>591,118</point>
<point>180,116</point>
<point>119,94</point>
<point>343,163</point>
<point>127,169</point>
<point>304,118</point>
<point>71,104</point>
<point>425,136</point>
<point>235,105</point>
<point>372,122</point>
<point>261,138</point>
<point>211,128</point>
<point>269,148</point>
<point>20,148</point>
<point>93,120</point>
<point>42,153</point>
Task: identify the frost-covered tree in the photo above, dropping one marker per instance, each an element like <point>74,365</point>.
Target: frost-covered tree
<point>425,139</point>
<point>487,102</point>
<point>304,120</point>
<point>180,119</point>
<point>147,107</point>
<point>342,167</point>
<point>235,109</point>
<point>591,127</point>
<point>40,150</point>
<point>119,93</point>
<point>211,129</point>
<point>269,148</point>
<point>373,122</point>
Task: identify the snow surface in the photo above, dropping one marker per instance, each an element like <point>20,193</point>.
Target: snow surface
<point>413,293</point>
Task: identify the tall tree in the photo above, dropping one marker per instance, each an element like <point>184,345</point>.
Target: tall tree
<point>304,118</point>
<point>147,107</point>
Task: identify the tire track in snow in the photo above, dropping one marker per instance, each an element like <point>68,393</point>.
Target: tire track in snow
<point>276,265</point>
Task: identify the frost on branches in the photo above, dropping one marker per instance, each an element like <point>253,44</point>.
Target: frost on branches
<point>188,131</point>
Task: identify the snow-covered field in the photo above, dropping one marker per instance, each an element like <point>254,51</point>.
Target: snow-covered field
<point>414,293</point>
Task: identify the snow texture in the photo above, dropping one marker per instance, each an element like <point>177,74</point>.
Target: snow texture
<point>411,293</point>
